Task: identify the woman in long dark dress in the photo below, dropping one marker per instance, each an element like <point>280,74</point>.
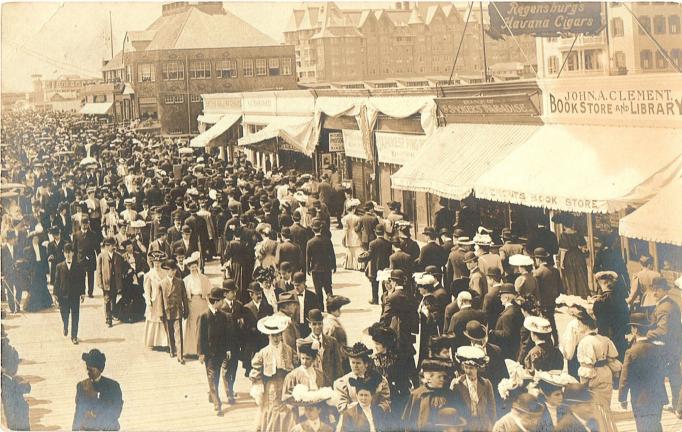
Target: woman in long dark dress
<point>238,263</point>
<point>573,265</point>
<point>35,256</point>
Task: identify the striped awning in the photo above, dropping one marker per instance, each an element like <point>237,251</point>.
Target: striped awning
<point>205,139</point>
<point>453,158</point>
<point>97,108</point>
<point>659,219</point>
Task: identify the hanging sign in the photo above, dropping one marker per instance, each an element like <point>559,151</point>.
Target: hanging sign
<point>335,141</point>
<point>396,148</point>
<point>544,18</point>
<point>352,144</point>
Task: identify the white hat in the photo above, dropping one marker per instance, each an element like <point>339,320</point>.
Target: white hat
<point>138,224</point>
<point>353,202</point>
<point>678,282</point>
<point>192,258</point>
<point>273,324</point>
<point>300,197</point>
<point>213,194</point>
<point>556,377</point>
<point>520,260</point>
<point>464,295</point>
<point>424,279</point>
<point>537,324</point>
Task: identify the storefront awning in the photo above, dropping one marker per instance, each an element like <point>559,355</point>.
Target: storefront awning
<point>97,108</point>
<point>589,169</point>
<point>453,157</point>
<point>293,131</point>
<point>659,219</point>
<point>226,122</point>
<point>209,118</point>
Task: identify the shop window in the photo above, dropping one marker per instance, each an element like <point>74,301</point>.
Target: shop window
<point>173,99</point>
<point>617,27</point>
<point>645,22</point>
<point>669,257</point>
<point>659,24</point>
<point>247,66</point>
<point>145,72</point>
<point>553,64</point>
<point>273,67</point>
<point>619,58</point>
<point>286,66</point>
<point>674,24</point>
<point>200,70</point>
<point>571,59</point>
<point>261,67</point>
<point>226,69</point>
<point>173,71</point>
<point>645,59</point>
<point>592,59</point>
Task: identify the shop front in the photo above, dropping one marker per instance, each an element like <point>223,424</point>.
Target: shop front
<point>220,124</point>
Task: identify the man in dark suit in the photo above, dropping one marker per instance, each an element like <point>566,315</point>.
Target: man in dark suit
<point>69,289</point>
<point>507,332</point>
<point>329,359</point>
<point>401,260</point>
<point>10,288</point>
<point>55,251</point>
<point>377,258</point>
<point>86,246</point>
<point>367,226</point>
<point>288,251</point>
<point>307,301</point>
<point>109,272</point>
<point>174,233</point>
<point>99,400</point>
<point>63,220</point>
<point>455,268</point>
<point>400,314</point>
<point>326,191</point>
<point>216,344</point>
<point>544,238</point>
<point>431,254</point>
<point>300,236</point>
<point>187,242</point>
<point>254,310</point>
<point>460,319</point>
<point>667,329</point>
<point>444,217</point>
<point>176,307</point>
<point>237,311</point>
<point>642,376</point>
<point>199,232</point>
<point>321,262</point>
<point>549,286</point>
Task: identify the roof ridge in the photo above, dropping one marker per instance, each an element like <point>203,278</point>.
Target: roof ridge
<point>182,27</point>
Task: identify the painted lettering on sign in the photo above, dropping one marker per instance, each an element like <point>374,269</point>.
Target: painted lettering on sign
<point>632,102</point>
<point>352,144</point>
<point>335,141</point>
<point>544,18</point>
<point>396,148</point>
<point>543,200</point>
<point>498,105</point>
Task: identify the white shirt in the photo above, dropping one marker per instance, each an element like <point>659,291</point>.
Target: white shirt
<point>36,248</point>
<point>368,413</point>
<point>312,375</point>
<point>314,424</point>
<point>473,394</point>
<point>301,311</point>
<point>270,296</point>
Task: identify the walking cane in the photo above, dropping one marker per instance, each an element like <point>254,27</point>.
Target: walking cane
<point>165,320</point>
<point>17,305</point>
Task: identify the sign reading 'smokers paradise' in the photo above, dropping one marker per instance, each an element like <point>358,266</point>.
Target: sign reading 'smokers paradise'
<point>545,18</point>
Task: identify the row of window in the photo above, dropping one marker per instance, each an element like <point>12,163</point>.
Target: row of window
<point>646,59</point>
<point>175,70</point>
<point>178,99</point>
<point>673,26</point>
<point>592,60</point>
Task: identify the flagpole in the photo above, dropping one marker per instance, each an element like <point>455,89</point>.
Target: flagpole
<point>111,36</point>
<point>485,60</point>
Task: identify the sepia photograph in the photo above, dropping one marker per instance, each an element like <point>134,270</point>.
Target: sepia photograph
<point>351,216</point>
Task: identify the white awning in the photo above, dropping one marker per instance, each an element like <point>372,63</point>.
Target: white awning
<point>659,219</point>
<point>209,118</point>
<point>204,139</point>
<point>294,131</point>
<point>587,169</point>
<point>97,108</point>
<point>453,157</point>
<point>128,89</point>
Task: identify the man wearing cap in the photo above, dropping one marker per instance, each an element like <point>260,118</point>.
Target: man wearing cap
<point>641,295</point>
<point>642,377</point>
<point>320,262</point>
<point>329,359</point>
<point>377,258</point>
<point>254,310</point>
<point>431,254</point>
<point>99,400</point>
<point>69,290</point>
<point>86,245</point>
<point>507,332</point>
<point>176,307</point>
<point>455,267</point>
<point>109,274</point>
<point>667,329</point>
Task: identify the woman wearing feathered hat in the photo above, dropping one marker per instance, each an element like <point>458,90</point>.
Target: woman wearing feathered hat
<point>154,330</point>
<point>35,257</point>
<point>424,403</point>
<point>351,236</point>
<point>269,367</point>
<point>366,414</point>
<point>476,392</point>
<point>314,404</point>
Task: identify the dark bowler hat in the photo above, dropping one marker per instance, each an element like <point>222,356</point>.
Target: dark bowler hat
<point>429,231</point>
<point>475,330</point>
<point>316,225</point>
<point>180,251</point>
<point>639,319</point>
<point>379,230</point>
<point>540,252</point>
<point>314,315</point>
<point>109,241</point>
<point>94,358</point>
<point>397,275</point>
<point>298,277</point>
<point>439,342</point>
<point>229,285</point>
<point>287,297</point>
<point>253,287</point>
<point>168,264</point>
<point>433,270</point>
<point>186,229</point>
<point>469,257</point>
<point>369,383</point>
<point>507,288</point>
<point>216,294</point>
<point>335,302</point>
<point>494,272</point>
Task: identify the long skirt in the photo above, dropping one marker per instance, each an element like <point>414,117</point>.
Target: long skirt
<point>39,296</point>
<point>197,306</point>
<point>574,274</point>
<point>601,386</point>
<point>351,261</point>
<point>276,416</point>
<point>155,334</point>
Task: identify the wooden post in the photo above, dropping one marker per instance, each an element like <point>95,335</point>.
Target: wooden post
<point>590,246</point>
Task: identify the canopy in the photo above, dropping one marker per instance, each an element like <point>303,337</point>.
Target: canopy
<point>590,169</point>
<point>97,108</point>
<point>209,118</point>
<point>453,157</point>
<point>294,131</point>
<point>204,139</point>
<point>658,220</point>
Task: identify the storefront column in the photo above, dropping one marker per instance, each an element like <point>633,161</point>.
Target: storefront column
<point>272,159</point>
<point>590,246</point>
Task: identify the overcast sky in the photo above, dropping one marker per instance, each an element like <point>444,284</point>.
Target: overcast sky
<point>73,37</point>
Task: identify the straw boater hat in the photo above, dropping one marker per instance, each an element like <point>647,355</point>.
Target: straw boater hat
<point>464,241</point>
<point>557,378</point>
<point>520,260</point>
<point>472,356</point>
<point>273,324</point>
<point>608,275</point>
<point>301,395</point>
<point>537,324</point>
<point>158,256</point>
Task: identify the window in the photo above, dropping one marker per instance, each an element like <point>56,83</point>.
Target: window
<point>617,27</point>
<point>200,70</point>
<point>572,61</point>
<point>129,72</point>
<point>619,58</point>
<point>195,98</point>
<point>645,21</point>
<point>645,59</point>
<point>247,67</point>
<point>674,24</point>
<point>286,66</point>
<point>226,69</point>
<point>661,62</point>
<point>173,71</point>
<point>145,72</point>
<point>592,59</point>
<point>659,24</point>
<point>676,56</point>
<point>273,66</point>
<point>173,99</point>
<point>261,67</point>
<point>553,64</point>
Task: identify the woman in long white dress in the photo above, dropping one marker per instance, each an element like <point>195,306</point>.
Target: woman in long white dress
<point>598,359</point>
<point>154,330</point>
<point>351,236</point>
<point>198,288</point>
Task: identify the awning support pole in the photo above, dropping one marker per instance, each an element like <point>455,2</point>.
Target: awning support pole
<point>590,246</point>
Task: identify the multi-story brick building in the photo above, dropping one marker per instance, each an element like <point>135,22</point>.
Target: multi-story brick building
<point>623,47</point>
<point>421,39</point>
<point>194,49</point>
<point>61,93</point>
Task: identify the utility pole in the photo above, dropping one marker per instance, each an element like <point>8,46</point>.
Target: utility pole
<point>111,36</point>
<point>485,60</point>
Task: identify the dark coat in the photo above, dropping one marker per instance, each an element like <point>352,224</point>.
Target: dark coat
<point>193,246</point>
<point>403,261</point>
<point>379,252</point>
<point>104,399</point>
<point>355,420</point>
<point>431,254</point>
<point>666,326</point>
<point>421,410</point>
<point>8,266</point>
<point>175,301</point>
<point>199,232</point>
<point>542,237</point>
<point>507,332</point>
<point>320,255</point>
<point>290,252</point>
<point>643,377</point>
<point>455,267</point>
<point>486,407</point>
<point>216,334</point>
<point>569,423</point>
<point>459,321</point>
<point>549,285</point>
<point>366,226</point>
<point>253,339</point>
<point>86,246</point>
<point>310,301</point>
<point>68,284</point>
<point>400,313</point>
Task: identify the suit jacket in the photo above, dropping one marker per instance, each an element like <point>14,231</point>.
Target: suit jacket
<point>400,313</point>
<point>175,301</point>
<point>486,409</point>
<point>216,334</point>
<point>37,267</point>
<point>310,301</point>
<point>332,359</point>
<point>507,332</point>
<point>193,246</point>
<point>86,246</point>
<point>254,339</point>
<point>238,313</point>
<point>366,226</point>
<point>326,192</point>
<point>549,285</point>
<point>432,254</point>
<point>199,232</point>
<point>109,272</point>
<point>290,252</point>
<point>320,256</point>
<point>300,235</point>
<point>379,251</point>
<point>104,399</point>
<point>403,261</point>
<point>459,321</point>
<point>569,423</point>
<point>666,326</point>
<point>643,376</point>
<point>65,227</point>
<point>355,420</point>
<point>455,267</point>
<point>173,235</point>
<point>68,283</point>
<point>478,283</point>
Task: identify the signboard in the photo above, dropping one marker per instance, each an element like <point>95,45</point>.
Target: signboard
<point>541,200</point>
<point>352,143</point>
<point>637,100</point>
<point>544,18</point>
<point>223,104</point>
<point>499,105</point>
<point>398,148</point>
<point>335,141</point>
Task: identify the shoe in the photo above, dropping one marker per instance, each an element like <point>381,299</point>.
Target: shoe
<point>219,413</point>
<point>217,407</point>
<point>91,296</point>
<point>110,325</point>
<point>181,360</point>
<point>372,302</point>
<point>172,355</point>
<point>66,332</point>
<point>74,340</point>
<point>678,414</point>
<point>231,400</point>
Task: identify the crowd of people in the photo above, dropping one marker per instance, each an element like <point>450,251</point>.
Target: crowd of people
<point>466,338</point>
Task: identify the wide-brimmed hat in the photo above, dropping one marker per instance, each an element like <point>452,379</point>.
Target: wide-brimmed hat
<point>557,378</point>
<point>537,324</point>
<point>639,319</point>
<point>264,274</point>
<point>476,331</point>
<point>370,382</point>
<point>302,396</point>
<point>506,288</point>
<point>357,350</point>
<point>158,256</point>
<point>229,285</point>
<point>607,275</point>
<point>94,358</point>
<point>216,294</point>
<point>577,394</point>
<point>520,260</point>
<point>379,333</point>
<point>273,324</point>
<point>287,297</point>
<point>307,346</point>
<point>424,279</point>
<point>314,315</point>
<point>449,418</point>
<point>472,356</point>
<point>334,302</point>
<point>483,239</point>
<point>436,365</point>
<point>440,342</point>
<point>194,258</point>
